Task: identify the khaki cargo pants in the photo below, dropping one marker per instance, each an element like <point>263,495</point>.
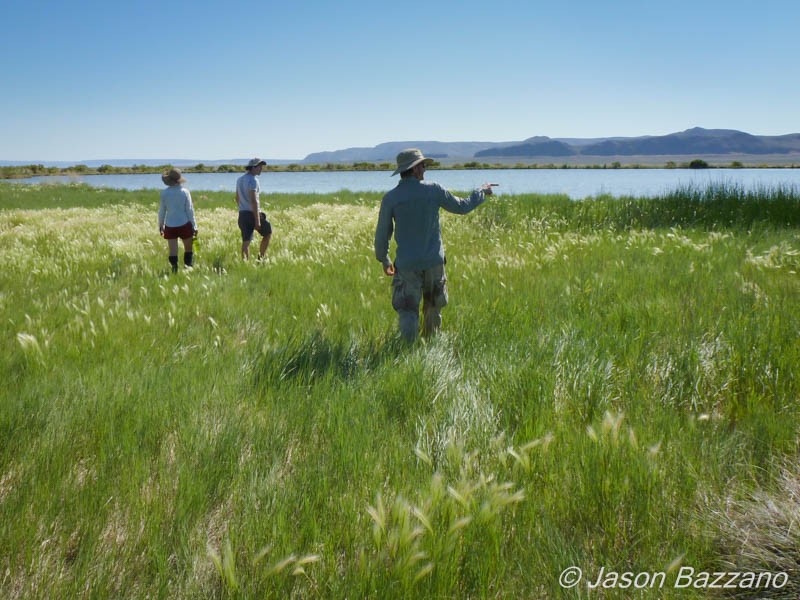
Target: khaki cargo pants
<point>409,288</point>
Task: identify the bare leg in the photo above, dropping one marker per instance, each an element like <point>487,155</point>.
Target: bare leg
<point>173,254</point>
<point>264,245</point>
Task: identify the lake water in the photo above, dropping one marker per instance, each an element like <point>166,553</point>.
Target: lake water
<point>575,183</point>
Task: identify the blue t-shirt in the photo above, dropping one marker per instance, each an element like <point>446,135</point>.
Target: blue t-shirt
<point>244,184</point>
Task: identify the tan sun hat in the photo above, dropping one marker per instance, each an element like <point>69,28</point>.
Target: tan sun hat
<point>408,159</point>
<point>173,177</point>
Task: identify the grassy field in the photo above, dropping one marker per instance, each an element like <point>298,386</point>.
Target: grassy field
<point>615,387</point>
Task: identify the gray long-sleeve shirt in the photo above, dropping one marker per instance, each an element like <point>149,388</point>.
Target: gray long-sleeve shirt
<point>411,212</point>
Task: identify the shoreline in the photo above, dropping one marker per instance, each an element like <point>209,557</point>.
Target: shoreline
<point>683,162</point>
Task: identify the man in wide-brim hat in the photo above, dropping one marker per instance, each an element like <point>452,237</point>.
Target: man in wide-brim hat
<point>408,159</point>
<point>410,211</point>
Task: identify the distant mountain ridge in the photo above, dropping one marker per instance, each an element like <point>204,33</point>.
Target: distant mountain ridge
<point>723,144</point>
<point>691,142</point>
<point>388,151</point>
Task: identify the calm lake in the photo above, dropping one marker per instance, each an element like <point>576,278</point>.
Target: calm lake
<point>575,183</point>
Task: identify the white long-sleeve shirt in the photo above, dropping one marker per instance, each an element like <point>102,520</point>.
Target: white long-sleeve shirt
<point>176,207</point>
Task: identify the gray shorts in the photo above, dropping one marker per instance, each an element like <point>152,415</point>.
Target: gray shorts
<point>247,225</point>
<point>409,288</point>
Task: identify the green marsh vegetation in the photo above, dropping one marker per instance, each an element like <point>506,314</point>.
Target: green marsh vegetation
<point>39,170</point>
<point>616,386</point>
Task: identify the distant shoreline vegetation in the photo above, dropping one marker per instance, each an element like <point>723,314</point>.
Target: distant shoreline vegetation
<point>38,170</point>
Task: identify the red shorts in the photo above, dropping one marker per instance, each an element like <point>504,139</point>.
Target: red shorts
<point>184,231</point>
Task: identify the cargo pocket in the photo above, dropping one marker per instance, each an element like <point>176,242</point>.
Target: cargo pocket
<point>436,287</point>
<point>403,297</point>
<point>440,293</point>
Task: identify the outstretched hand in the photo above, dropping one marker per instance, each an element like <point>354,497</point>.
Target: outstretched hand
<point>486,188</point>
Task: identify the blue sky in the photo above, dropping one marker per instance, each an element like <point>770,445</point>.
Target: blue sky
<point>87,80</point>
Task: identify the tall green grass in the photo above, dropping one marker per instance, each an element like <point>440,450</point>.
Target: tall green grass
<point>613,376</point>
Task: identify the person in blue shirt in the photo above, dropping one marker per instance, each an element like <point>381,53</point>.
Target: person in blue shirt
<point>410,211</point>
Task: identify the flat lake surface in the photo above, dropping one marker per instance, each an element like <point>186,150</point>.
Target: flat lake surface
<point>574,183</point>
